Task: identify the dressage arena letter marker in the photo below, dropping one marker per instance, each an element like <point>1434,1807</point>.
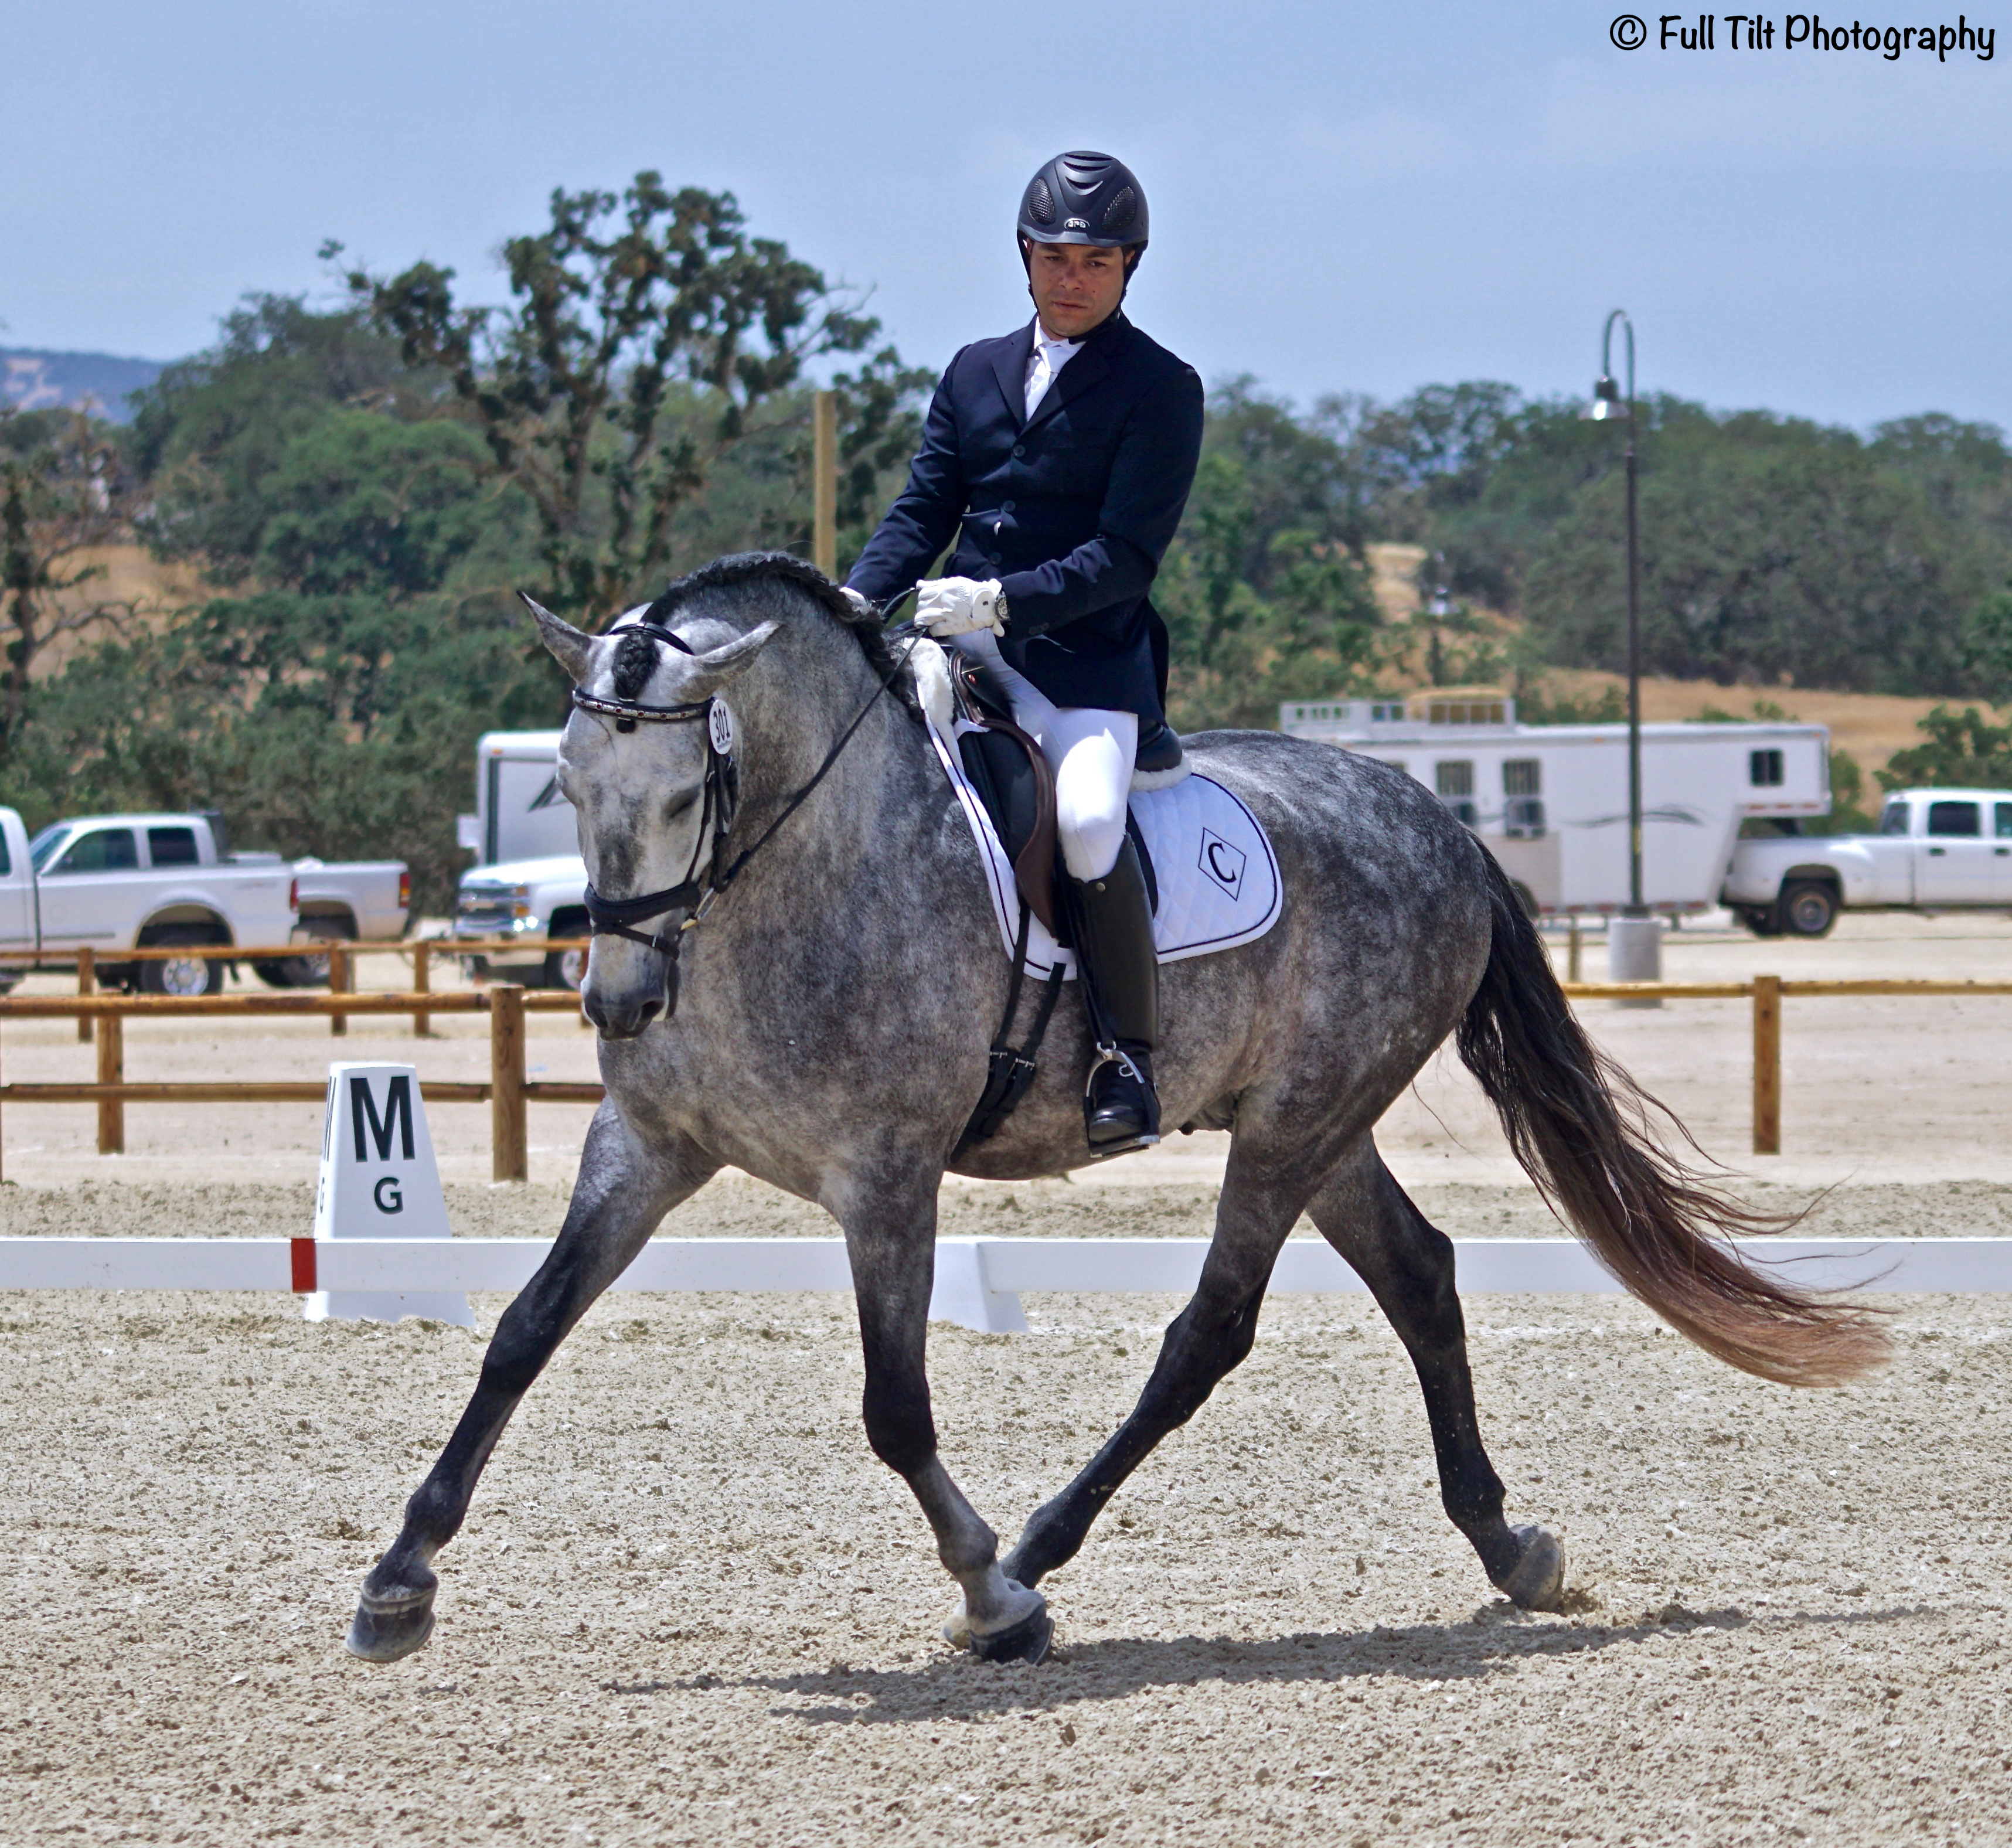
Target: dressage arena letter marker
<point>379,1181</point>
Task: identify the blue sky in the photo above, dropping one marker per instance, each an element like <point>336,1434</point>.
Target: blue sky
<point>1344,199</point>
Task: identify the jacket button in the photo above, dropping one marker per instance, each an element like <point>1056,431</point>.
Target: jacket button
<point>1019,448</point>
<point>1005,506</point>
<point>992,557</point>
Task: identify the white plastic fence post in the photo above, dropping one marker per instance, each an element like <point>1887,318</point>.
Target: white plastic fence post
<point>962,1294</point>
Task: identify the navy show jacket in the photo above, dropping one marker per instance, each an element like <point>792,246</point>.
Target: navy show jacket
<point>1071,509</point>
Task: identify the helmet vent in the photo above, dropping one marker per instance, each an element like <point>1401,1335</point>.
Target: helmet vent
<point>1121,211</point>
<point>1084,172</point>
<point>1040,202</point>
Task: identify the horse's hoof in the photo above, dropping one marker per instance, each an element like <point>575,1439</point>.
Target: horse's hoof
<point>1537,1580</point>
<point>1027,1641</point>
<point>957,1632</point>
<point>388,1632</point>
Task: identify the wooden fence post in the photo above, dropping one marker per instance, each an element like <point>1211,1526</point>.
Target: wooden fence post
<point>1767,1064</point>
<point>422,1021</point>
<point>87,983</point>
<point>1573,952</point>
<point>110,1070</point>
<point>509,1154</point>
<point>824,482</point>
<point>341,979</point>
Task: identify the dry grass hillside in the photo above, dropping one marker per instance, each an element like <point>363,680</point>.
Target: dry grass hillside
<point>133,580</point>
<point>1871,726</point>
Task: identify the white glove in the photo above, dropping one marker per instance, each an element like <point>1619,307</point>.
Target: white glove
<point>861,606</point>
<point>949,606</point>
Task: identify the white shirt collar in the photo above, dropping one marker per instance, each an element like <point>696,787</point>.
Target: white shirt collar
<point>1057,350</point>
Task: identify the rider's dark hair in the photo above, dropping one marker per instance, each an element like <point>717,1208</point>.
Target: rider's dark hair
<point>737,569</point>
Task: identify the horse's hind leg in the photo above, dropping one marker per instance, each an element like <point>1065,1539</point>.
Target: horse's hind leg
<point>619,1199</point>
<point>1208,1338</point>
<point>1408,1265</point>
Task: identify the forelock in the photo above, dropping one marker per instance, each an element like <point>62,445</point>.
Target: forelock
<point>635,664</point>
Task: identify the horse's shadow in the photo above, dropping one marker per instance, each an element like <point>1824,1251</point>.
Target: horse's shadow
<point>1493,1640</point>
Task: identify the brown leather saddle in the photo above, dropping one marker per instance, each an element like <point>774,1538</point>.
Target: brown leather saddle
<point>1016,786</point>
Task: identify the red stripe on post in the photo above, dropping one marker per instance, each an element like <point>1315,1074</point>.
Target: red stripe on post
<point>304,1266</point>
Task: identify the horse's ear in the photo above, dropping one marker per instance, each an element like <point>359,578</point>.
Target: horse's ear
<point>570,648</point>
<point>719,665</point>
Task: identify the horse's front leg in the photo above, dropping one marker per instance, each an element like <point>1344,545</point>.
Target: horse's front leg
<point>621,1195</point>
<point>890,1237</point>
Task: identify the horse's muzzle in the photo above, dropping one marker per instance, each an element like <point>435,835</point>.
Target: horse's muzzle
<point>626,1013</point>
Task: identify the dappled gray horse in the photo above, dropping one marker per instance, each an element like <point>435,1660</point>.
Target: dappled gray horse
<point>825,1025</point>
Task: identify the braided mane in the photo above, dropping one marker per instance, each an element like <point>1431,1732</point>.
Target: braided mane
<point>738,568</point>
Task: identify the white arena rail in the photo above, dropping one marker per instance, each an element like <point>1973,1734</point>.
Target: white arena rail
<point>979,1281</point>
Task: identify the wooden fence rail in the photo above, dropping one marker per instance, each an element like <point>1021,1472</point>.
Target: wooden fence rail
<point>1767,993</point>
<point>508,1093</point>
<point>341,953</point>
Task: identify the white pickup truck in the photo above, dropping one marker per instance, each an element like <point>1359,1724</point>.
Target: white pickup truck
<point>1937,850</point>
<point>117,882</point>
<point>529,880</point>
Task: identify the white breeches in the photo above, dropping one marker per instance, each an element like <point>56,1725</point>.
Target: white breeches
<point>1091,753</point>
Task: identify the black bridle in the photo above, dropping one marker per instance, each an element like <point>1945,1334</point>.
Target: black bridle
<point>694,894</point>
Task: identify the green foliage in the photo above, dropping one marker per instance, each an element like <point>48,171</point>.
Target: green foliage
<point>1263,600</point>
<point>646,333</point>
<point>65,484</point>
<point>1961,751</point>
<point>1534,706</point>
<point>364,490</point>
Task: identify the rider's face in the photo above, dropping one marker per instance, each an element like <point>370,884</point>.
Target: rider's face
<point>1076,286</point>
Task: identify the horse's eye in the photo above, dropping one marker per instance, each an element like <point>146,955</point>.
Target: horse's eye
<point>682,803</point>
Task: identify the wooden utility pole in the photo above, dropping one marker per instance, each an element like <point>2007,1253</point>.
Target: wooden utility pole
<point>824,482</point>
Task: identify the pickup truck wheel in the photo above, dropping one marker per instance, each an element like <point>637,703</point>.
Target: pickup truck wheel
<point>567,968</point>
<point>1808,910</point>
<point>189,976</point>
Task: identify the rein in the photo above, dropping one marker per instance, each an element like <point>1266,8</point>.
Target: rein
<point>617,917</point>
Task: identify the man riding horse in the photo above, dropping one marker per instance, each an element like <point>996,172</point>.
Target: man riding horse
<point>1058,458</point>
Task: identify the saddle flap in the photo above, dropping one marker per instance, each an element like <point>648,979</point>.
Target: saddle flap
<point>1013,782</point>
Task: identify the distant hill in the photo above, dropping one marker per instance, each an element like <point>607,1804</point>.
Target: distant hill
<point>39,381</point>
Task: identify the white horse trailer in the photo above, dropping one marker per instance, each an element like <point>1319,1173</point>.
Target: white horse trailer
<point>1550,801</point>
<point>520,813</point>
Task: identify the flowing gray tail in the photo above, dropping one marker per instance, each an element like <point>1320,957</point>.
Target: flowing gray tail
<point>1580,1124</point>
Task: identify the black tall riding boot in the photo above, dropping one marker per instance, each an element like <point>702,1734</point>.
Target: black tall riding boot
<point>1112,920</point>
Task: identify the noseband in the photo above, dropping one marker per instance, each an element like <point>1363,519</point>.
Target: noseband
<point>695,894</point>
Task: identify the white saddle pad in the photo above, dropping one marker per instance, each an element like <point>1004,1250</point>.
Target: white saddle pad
<point>1218,877</point>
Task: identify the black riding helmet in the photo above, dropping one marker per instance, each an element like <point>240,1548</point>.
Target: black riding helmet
<point>1085,197</point>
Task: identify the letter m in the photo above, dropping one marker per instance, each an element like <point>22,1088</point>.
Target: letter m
<point>397,1113</point>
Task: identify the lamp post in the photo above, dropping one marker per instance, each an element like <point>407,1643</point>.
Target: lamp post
<point>1635,948</point>
<point>1608,406</point>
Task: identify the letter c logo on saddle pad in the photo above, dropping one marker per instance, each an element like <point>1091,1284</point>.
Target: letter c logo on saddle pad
<point>1222,863</point>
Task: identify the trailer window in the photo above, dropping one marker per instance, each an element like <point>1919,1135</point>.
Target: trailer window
<point>1453,779</point>
<point>1954,818</point>
<point>1893,818</point>
<point>1763,768</point>
<point>1522,776</point>
<point>172,846</point>
<point>101,850</point>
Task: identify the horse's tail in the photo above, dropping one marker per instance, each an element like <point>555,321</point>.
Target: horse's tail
<point>1580,1126</point>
